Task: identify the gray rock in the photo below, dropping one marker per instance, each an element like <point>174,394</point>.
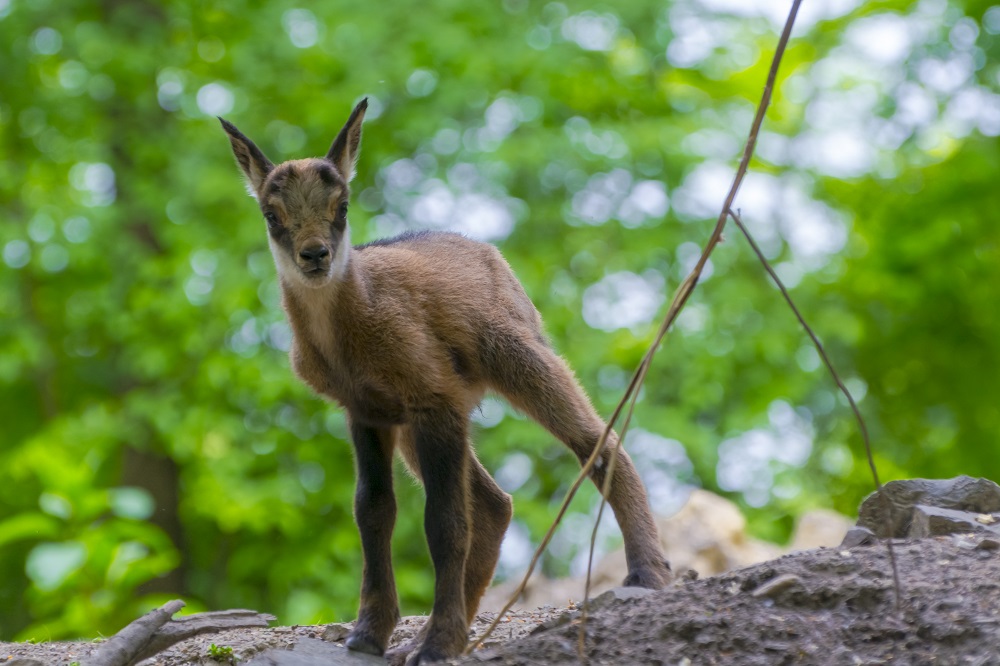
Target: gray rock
<point>688,575</point>
<point>557,621</point>
<point>336,632</point>
<point>619,595</point>
<point>314,652</point>
<point>858,536</point>
<point>929,521</point>
<point>962,493</point>
<point>487,655</point>
<point>777,585</point>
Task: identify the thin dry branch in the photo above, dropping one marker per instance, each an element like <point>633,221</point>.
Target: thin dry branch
<point>680,299</point>
<point>887,506</point>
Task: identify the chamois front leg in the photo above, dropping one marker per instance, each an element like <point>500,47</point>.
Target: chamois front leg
<point>375,513</point>
<point>443,457</point>
<point>489,515</point>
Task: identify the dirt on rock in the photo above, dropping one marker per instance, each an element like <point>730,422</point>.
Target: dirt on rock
<point>826,606</point>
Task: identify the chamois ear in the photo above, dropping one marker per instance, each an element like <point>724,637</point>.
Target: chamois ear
<point>251,160</point>
<point>344,151</point>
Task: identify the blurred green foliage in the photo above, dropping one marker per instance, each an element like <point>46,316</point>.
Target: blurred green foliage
<point>154,441</point>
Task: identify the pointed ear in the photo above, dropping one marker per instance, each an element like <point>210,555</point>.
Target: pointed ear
<point>344,151</point>
<point>251,160</point>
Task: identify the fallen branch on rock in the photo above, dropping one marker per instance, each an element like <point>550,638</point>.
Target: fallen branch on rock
<point>156,631</point>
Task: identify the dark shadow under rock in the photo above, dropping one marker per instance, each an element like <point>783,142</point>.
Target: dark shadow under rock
<point>931,521</point>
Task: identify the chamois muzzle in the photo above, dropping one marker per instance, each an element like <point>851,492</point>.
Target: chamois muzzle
<point>314,253</point>
<point>314,259</point>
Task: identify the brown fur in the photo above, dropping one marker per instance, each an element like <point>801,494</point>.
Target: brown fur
<point>407,335</point>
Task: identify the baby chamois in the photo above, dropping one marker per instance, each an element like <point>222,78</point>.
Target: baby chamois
<point>407,334</point>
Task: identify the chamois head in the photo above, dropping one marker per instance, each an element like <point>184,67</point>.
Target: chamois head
<point>304,203</point>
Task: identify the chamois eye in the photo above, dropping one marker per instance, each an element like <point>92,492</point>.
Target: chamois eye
<point>342,212</point>
<point>272,220</point>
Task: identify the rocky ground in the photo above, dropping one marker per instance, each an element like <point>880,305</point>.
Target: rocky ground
<point>826,606</point>
<point>820,606</point>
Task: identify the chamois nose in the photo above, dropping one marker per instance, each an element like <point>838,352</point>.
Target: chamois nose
<point>314,252</point>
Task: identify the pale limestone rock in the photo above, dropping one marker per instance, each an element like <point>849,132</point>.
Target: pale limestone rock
<point>819,528</point>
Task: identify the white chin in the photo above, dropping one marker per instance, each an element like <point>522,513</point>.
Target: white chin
<point>315,279</point>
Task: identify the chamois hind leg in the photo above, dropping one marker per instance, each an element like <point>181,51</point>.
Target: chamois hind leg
<point>490,515</point>
<point>375,513</point>
<point>538,382</point>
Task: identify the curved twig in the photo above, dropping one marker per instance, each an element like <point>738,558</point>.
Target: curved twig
<point>887,506</point>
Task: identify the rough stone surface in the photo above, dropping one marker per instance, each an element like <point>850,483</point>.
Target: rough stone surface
<point>313,652</point>
<point>618,595</point>
<point>962,493</point>
<point>840,611</point>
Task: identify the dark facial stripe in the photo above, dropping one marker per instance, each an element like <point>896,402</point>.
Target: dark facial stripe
<point>326,174</point>
<point>277,181</point>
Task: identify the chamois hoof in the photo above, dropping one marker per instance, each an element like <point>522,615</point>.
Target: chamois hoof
<point>426,655</point>
<point>652,577</point>
<point>397,655</point>
<point>360,641</point>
